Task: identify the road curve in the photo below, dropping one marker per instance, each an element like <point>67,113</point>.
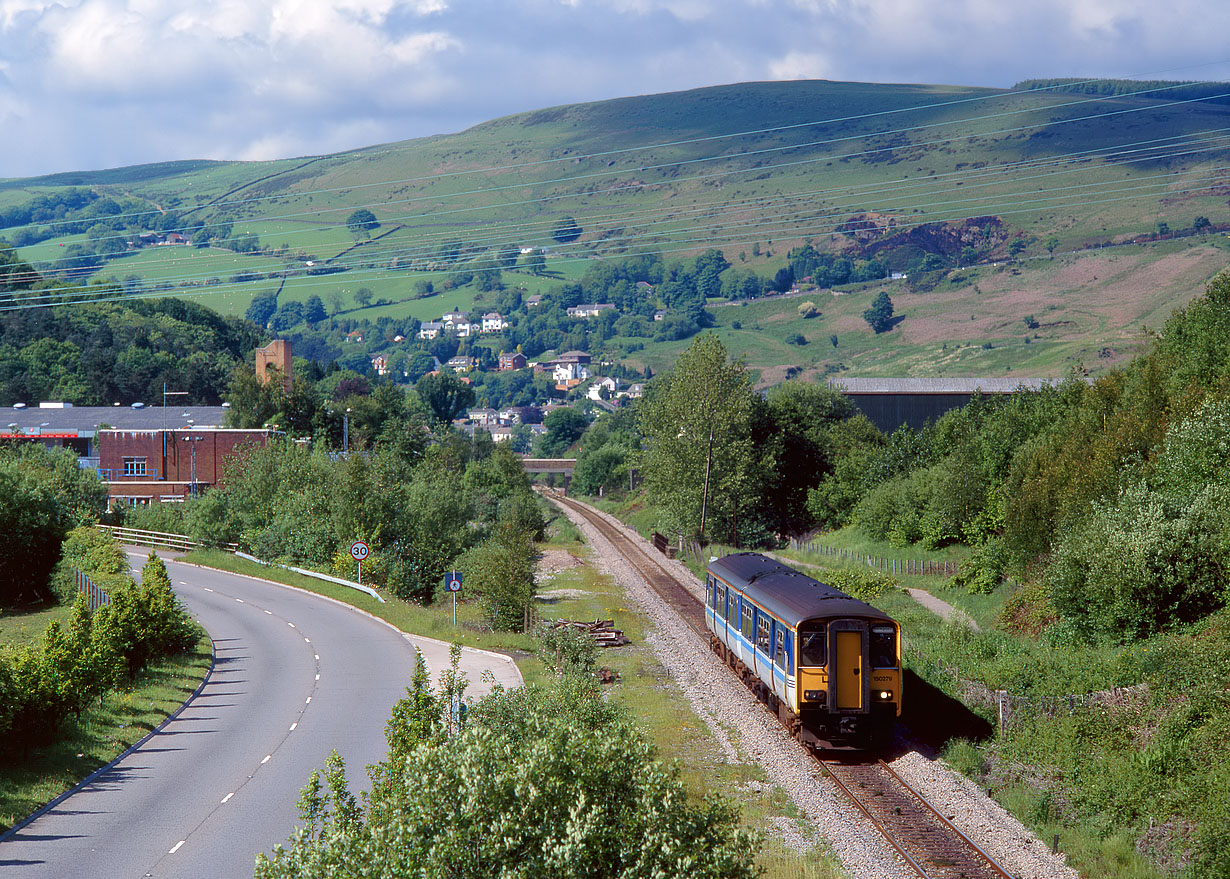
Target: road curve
<point>296,676</point>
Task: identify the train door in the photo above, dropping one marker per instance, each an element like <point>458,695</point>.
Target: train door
<point>848,673</point>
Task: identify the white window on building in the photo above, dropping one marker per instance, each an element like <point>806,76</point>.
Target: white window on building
<point>134,467</point>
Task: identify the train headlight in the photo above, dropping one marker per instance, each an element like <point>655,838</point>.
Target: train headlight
<point>885,695</point>
<point>813,695</point>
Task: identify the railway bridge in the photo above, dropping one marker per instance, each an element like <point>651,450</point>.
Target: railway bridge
<point>551,465</point>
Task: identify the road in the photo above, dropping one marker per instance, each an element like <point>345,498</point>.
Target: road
<point>295,677</point>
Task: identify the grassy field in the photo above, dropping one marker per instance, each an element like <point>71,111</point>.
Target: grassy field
<point>18,627</point>
<point>100,735</point>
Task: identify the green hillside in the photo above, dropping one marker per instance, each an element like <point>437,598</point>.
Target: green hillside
<point>894,172</point>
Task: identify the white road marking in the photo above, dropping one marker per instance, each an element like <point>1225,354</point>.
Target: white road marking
<point>309,701</point>
<point>207,589</point>
<point>269,612</point>
<point>292,625</point>
<point>293,725</point>
<point>317,655</point>
<point>228,796</point>
<point>183,583</point>
<point>240,600</point>
<point>317,677</point>
<point>309,640</point>
<point>268,757</point>
<point>175,847</point>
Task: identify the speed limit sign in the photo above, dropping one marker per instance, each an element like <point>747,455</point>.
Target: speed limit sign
<point>359,550</point>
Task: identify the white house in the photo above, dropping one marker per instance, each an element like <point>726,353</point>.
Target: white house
<point>595,390</point>
<point>429,329</point>
<point>494,322</point>
<point>380,363</point>
<point>570,371</point>
<point>591,310</point>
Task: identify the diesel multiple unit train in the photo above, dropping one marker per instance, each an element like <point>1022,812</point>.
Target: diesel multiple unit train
<point>827,663</point>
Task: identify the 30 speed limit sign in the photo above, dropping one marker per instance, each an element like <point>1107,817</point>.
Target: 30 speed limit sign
<point>359,550</point>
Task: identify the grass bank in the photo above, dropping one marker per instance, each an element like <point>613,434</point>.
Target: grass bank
<point>101,734</point>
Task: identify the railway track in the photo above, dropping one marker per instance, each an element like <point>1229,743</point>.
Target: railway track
<point>926,840</point>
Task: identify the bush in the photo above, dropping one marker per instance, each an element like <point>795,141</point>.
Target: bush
<point>1136,566</point>
<point>861,583</point>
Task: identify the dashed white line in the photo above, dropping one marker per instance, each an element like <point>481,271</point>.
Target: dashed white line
<point>175,847</point>
<point>269,612</point>
<point>293,725</point>
<point>309,640</point>
<point>207,589</point>
<point>183,583</point>
<point>240,600</point>
<point>292,625</point>
<point>309,701</point>
<point>317,655</point>
<point>228,796</point>
<point>318,677</point>
<point>268,757</point>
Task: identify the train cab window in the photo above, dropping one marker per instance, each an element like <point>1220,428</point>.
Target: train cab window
<point>883,647</point>
<point>762,633</point>
<point>813,651</point>
<point>779,648</point>
<point>749,617</point>
<point>711,593</point>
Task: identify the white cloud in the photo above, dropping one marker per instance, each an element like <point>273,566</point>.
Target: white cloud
<point>247,78</point>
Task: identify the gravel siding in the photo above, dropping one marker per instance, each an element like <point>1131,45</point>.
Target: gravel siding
<point>746,732</point>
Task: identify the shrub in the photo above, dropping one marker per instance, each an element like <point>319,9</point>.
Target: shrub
<point>861,583</point>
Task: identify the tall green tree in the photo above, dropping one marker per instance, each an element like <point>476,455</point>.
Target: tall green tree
<point>880,315</point>
<point>700,461</point>
<point>445,395</point>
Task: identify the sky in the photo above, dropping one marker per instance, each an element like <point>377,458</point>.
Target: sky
<point>91,84</point>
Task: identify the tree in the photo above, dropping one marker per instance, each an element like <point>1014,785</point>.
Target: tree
<point>1163,228</point>
<point>1050,244</point>
<point>566,230</point>
<point>535,263</point>
<point>314,310</point>
<point>262,307</point>
<point>362,222</point>
<point>538,782</point>
<point>564,427</point>
<point>880,315</point>
<point>501,570</point>
<point>363,297</point>
<point>1200,224</point>
<point>445,395</point>
<point>700,461</point>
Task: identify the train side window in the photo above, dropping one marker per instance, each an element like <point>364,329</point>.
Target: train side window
<point>749,617</point>
<point>762,633</point>
<point>723,607</point>
<point>813,650</point>
<point>779,648</point>
<point>883,647</point>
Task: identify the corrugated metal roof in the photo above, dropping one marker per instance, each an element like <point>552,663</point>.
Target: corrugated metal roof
<point>89,418</point>
<point>1002,385</point>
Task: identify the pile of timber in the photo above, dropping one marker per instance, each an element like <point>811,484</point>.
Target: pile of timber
<point>602,631</point>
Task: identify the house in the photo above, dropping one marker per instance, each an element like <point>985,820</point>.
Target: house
<point>457,323</point>
<point>659,315</point>
<point>644,287</point>
<point>380,363</point>
<point>429,329</point>
<point>595,390</point>
<point>461,363</point>
<point>355,336</point>
<point>455,316</point>
<point>399,338</point>
<point>494,322</point>
<point>501,434</point>
<point>533,301</point>
<point>588,311</point>
<point>484,417</point>
<point>512,360</point>
<point>571,369</point>
<point>635,391</point>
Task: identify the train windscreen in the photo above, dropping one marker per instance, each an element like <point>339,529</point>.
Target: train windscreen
<point>883,647</point>
<point>813,650</point>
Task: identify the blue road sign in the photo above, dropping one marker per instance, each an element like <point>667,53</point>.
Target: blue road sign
<point>452,581</point>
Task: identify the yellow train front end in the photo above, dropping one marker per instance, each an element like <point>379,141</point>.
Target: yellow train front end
<point>848,686</point>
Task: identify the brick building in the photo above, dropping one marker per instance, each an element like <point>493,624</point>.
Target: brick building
<point>153,466</point>
<point>275,355</point>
